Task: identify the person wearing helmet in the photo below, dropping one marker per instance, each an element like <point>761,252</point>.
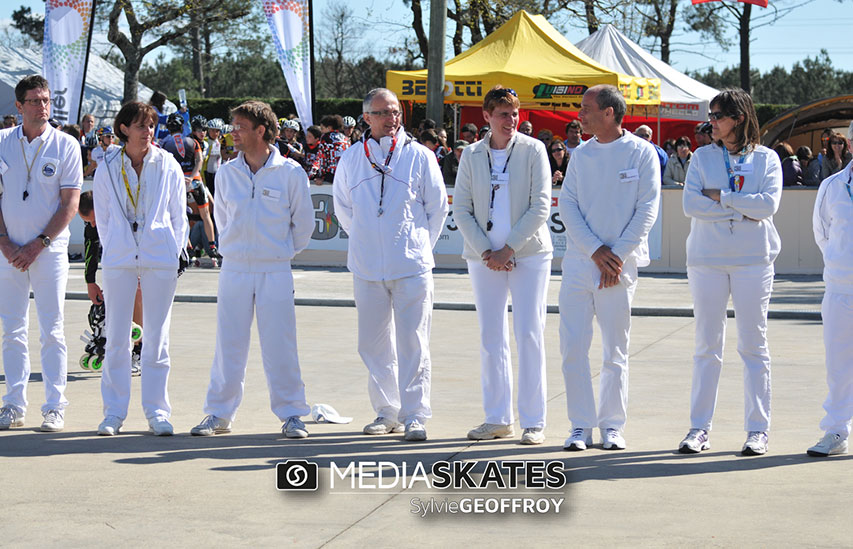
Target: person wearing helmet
<point>349,127</point>
<point>287,143</point>
<point>197,132</point>
<point>332,144</point>
<point>188,153</point>
<point>213,153</point>
<point>105,144</point>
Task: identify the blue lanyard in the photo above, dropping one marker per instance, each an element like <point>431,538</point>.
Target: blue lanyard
<point>730,171</point>
<point>849,179</point>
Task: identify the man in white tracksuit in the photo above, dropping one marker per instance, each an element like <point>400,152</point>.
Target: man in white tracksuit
<point>41,172</point>
<point>140,205</point>
<point>390,199</point>
<point>608,204</point>
<point>833,232</point>
<point>265,217</point>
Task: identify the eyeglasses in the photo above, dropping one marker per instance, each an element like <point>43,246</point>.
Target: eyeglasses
<point>836,142</point>
<point>385,114</point>
<point>557,149</point>
<point>717,115</point>
<point>35,102</point>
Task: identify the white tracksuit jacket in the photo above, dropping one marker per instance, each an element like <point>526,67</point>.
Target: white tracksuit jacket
<point>398,243</point>
<point>833,230</point>
<point>163,234</point>
<point>260,242</point>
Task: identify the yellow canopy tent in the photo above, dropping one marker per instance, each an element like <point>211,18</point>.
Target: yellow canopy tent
<point>529,55</point>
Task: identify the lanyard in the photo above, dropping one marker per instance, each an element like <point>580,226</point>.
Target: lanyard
<point>849,179</point>
<point>381,170</point>
<point>735,182</point>
<point>133,201</point>
<point>495,188</point>
<point>30,165</point>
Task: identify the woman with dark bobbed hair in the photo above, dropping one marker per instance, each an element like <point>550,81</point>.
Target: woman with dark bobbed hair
<point>140,205</point>
<point>732,190</point>
<point>837,156</point>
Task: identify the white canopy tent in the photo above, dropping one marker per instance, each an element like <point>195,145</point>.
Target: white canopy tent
<point>682,98</point>
<point>101,97</point>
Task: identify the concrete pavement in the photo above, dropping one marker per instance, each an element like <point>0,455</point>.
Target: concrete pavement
<point>75,488</point>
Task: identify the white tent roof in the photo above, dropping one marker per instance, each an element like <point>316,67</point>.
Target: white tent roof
<point>681,96</point>
<point>101,97</point>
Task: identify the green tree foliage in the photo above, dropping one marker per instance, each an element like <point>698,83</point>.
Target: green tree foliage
<point>28,23</point>
<point>809,79</point>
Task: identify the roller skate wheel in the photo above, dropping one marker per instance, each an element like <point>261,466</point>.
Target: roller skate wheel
<point>84,362</point>
<point>135,333</point>
<point>95,363</point>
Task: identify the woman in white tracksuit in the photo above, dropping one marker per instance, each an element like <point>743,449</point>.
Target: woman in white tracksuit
<point>501,205</point>
<point>732,190</point>
<point>140,204</point>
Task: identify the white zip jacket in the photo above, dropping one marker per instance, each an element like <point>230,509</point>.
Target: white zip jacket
<point>264,219</point>
<point>737,230</point>
<point>833,230</point>
<point>610,196</point>
<point>164,231</point>
<point>399,242</point>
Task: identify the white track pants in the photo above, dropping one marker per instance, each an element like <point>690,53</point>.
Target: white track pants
<point>750,288</point>
<point>580,300</point>
<point>269,296</point>
<point>158,291</point>
<point>394,321</point>
<point>837,311</point>
<point>528,284</point>
<point>47,276</point>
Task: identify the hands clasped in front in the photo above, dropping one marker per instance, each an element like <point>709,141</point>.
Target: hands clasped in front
<point>499,260</point>
<point>21,257</point>
<point>610,266</point>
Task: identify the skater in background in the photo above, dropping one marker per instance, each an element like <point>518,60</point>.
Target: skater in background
<point>502,201</point>
<point>92,256</point>
<point>140,205</point>
<point>265,217</point>
<point>41,173</point>
<point>732,190</point>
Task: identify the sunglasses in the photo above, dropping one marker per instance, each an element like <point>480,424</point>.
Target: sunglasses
<point>557,149</point>
<point>717,115</point>
<point>836,142</point>
<point>503,92</point>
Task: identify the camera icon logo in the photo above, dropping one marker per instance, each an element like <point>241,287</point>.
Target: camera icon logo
<point>296,475</point>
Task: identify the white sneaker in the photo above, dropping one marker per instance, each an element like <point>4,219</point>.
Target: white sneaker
<point>160,426</point>
<point>695,441</point>
<point>612,439</point>
<point>756,444</point>
<point>211,425</point>
<point>831,444</point>
<point>581,439</point>
<point>110,426</point>
<point>294,428</point>
<point>533,435</point>
<point>10,417</point>
<point>383,426</point>
<point>53,422</point>
<point>488,431</point>
<point>415,431</point>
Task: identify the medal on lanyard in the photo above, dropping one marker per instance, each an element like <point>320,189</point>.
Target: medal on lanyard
<point>735,181</point>
<point>496,180</point>
<point>29,166</point>
<point>133,200</point>
<point>381,170</point>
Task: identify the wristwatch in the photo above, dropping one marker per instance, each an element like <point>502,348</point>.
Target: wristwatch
<point>45,240</point>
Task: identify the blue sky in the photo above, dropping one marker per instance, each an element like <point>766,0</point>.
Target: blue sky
<point>819,24</point>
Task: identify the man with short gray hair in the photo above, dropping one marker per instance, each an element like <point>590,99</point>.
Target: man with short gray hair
<point>645,132</point>
<point>608,204</point>
<point>390,199</point>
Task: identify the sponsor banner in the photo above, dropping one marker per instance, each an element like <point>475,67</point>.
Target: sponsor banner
<point>329,236</point>
<point>290,24</point>
<point>66,37</point>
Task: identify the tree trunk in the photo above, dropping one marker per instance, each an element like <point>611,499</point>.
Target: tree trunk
<point>418,26</point>
<point>591,19</point>
<point>131,79</point>
<point>195,46</point>
<point>744,47</point>
<point>207,60</point>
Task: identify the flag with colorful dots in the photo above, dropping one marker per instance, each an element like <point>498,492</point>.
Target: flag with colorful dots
<point>290,24</point>
<point>67,24</point>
